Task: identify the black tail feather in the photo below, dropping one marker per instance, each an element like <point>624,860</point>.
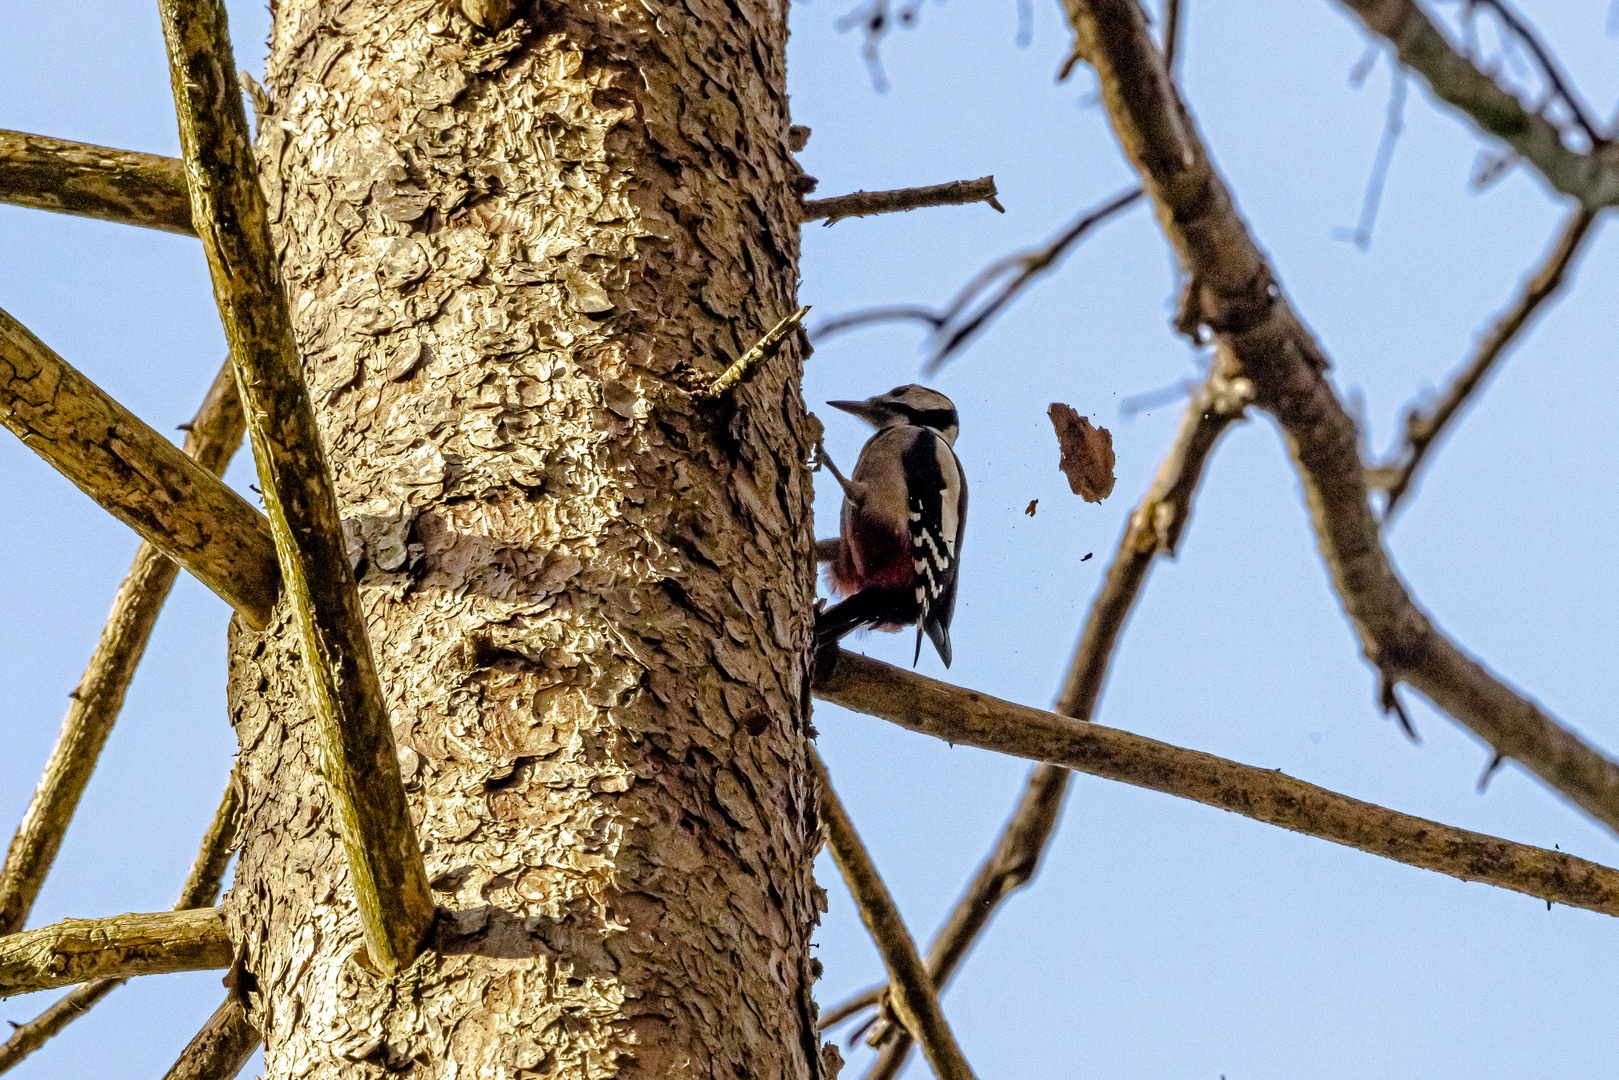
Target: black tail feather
<point>874,606</point>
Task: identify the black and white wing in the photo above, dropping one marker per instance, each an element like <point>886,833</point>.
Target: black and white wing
<point>938,520</point>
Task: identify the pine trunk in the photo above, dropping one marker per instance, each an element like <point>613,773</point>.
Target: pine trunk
<point>517,244</point>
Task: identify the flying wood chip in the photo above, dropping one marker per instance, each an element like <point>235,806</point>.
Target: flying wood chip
<point>1087,453</point>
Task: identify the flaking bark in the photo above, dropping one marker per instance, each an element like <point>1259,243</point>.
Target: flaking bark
<point>588,592</point>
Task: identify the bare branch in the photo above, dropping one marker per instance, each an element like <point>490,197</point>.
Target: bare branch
<point>201,890</point>
<point>212,438</point>
<point>1011,864</point>
<point>78,950</point>
<point>1591,178</point>
<point>961,325</point>
<point>864,203</point>
<point>94,181</point>
<point>912,995</point>
<point>763,349</point>
<point>1174,32</point>
<point>960,322</point>
<point>144,480</point>
<point>361,763</point>
<point>969,718</point>
<point>1423,427</point>
<point>221,1048</point>
<point>1233,292</point>
<point>1153,529</point>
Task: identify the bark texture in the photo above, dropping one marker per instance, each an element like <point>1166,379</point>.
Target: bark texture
<point>511,261</point>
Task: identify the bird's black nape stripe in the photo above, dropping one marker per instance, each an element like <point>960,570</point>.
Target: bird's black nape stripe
<point>937,419</point>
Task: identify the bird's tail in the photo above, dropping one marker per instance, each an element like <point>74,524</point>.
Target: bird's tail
<point>861,609</point>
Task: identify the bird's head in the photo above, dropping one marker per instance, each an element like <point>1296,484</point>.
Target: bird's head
<point>914,405</point>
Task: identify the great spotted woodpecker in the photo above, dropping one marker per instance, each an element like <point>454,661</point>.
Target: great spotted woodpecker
<point>904,514</point>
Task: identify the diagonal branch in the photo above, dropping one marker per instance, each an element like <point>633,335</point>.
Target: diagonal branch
<point>145,481</point>
<point>968,718</point>
<point>361,763</point>
<point>221,1048</point>
<point>1153,529</point>
<point>78,950</point>
<point>1233,292</point>
<point>1423,427</point>
<point>94,181</point>
<point>863,203</point>
<point>1591,178</point>
<point>201,890</point>
<point>212,438</point>
<point>912,996</point>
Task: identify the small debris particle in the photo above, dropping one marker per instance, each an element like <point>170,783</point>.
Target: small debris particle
<point>1087,453</point>
<point>1032,504</point>
<point>1087,557</point>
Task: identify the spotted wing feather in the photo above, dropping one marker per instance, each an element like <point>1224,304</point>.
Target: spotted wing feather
<point>938,518</point>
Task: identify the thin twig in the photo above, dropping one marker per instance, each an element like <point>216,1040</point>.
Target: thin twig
<point>221,1048</point>
<point>969,718</point>
<point>960,321</point>
<point>863,203</point>
<point>1592,178</point>
<point>211,439</point>
<point>201,890</point>
<point>912,995</point>
<point>136,474</point>
<point>762,350</point>
<point>79,950</point>
<point>1233,292</point>
<point>360,760</point>
<point>1393,125</point>
<point>1174,31</point>
<point>1423,427</point>
<point>94,181</point>
<point>1560,84</point>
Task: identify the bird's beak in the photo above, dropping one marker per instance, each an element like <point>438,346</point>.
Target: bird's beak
<point>868,411</point>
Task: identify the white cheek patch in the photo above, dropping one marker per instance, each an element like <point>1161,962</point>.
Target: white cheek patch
<point>948,522</point>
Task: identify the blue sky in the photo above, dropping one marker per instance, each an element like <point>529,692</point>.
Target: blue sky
<point>1162,939</point>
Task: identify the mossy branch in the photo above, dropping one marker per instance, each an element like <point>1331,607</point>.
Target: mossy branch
<point>201,890</point>
<point>211,438</point>
<point>968,718</point>
<point>221,1048</point>
<point>94,181</point>
<point>360,760</point>
<point>79,950</point>
<point>137,475</point>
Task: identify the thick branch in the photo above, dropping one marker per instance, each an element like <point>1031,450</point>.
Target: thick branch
<point>912,995</point>
<point>969,718</point>
<point>862,203</point>
<point>1591,178</point>
<point>212,438</point>
<point>221,1048</point>
<point>94,181</point>
<point>78,950</point>
<point>201,890</point>
<point>1423,427</point>
<point>1233,292</point>
<point>144,480</point>
<point>361,763</point>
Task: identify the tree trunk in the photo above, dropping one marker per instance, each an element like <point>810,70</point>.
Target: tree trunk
<point>514,250</point>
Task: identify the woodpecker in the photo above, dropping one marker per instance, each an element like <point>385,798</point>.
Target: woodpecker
<point>904,514</point>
